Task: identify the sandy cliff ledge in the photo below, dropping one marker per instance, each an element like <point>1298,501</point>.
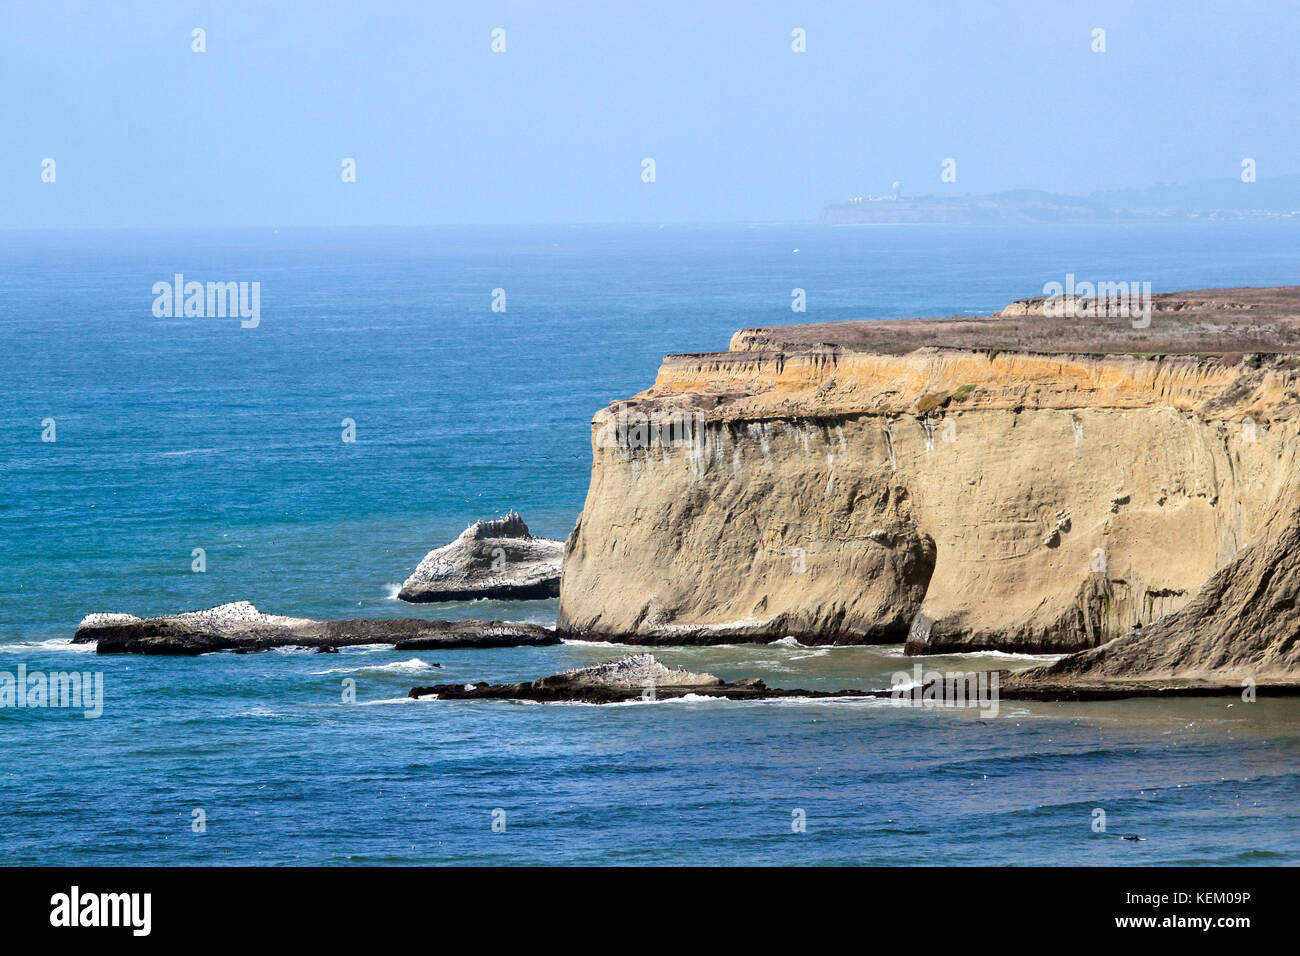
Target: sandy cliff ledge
<point>919,480</point>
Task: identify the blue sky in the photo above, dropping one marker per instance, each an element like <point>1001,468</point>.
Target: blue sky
<point>145,132</point>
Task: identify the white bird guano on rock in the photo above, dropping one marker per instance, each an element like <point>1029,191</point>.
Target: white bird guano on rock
<point>491,559</point>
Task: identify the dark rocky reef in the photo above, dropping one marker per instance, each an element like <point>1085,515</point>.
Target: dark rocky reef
<point>1029,685</point>
<point>241,627</point>
<point>643,677</point>
<point>639,677</point>
<point>491,559</point>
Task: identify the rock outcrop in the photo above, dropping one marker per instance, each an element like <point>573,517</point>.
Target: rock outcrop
<point>240,626</point>
<point>491,559</point>
<point>639,677</point>
<point>858,483</point>
<point>1241,628</point>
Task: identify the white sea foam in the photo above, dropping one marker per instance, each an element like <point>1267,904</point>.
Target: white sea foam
<point>52,644</point>
<point>394,700</point>
<point>392,590</point>
<point>896,650</point>
<point>742,624</point>
<point>821,701</point>
<point>707,699</point>
<point>1014,656</point>
<point>412,666</point>
<point>261,712</point>
<point>788,641</point>
<point>687,699</point>
<point>857,701</point>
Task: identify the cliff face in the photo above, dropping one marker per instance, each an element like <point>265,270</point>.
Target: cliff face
<point>1242,623</point>
<point>957,499</point>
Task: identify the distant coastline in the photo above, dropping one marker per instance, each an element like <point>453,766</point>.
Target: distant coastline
<point>1232,200</point>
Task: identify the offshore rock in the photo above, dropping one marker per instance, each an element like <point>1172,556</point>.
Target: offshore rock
<point>491,559</point>
<point>639,677</point>
<point>241,627</point>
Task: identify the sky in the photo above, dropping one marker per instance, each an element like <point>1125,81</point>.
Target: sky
<point>145,132</point>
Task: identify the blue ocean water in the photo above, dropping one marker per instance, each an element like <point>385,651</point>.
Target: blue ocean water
<point>182,433</point>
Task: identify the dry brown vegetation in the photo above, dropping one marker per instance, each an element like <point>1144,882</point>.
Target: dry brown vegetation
<point>1226,324</point>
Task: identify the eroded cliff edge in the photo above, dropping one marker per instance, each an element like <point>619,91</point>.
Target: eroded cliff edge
<point>931,481</point>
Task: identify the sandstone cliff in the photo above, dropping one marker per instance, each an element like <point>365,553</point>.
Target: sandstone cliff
<point>915,480</point>
<point>1243,623</point>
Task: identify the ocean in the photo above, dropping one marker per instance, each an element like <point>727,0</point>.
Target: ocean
<point>173,434</point>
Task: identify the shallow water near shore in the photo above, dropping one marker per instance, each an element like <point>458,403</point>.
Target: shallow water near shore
<point>177,434</point>
<point>286,772</point>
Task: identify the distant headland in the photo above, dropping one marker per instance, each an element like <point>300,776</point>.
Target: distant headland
<point>1277,198</point>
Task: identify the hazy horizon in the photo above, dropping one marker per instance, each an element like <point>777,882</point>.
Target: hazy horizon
<point>254,130</point>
